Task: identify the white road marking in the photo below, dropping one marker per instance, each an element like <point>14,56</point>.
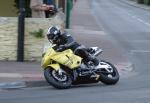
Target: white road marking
<point>133,16</point>
<point>140,41</point>
<point>89,32</point>
<point>147,24</point>
<point>142,21</point>
<point>140,51</point>
<point>139,19</point>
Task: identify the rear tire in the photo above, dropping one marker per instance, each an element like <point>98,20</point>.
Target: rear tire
<point>63,81</point>
<point>111,78</point>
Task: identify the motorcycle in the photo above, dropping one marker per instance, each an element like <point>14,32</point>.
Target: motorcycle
<point>64,69</point>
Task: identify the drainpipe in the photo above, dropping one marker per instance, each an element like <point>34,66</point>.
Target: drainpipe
<point>21,19</point>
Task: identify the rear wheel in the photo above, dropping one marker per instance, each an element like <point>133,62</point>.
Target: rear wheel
<point>109,74</point>
<point>58,79</point>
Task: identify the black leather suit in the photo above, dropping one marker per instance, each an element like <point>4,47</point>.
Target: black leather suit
<point>65,41</point>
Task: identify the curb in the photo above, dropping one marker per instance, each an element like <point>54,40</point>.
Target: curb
<point>12,85</point>
<point>123,69</point>
<point>23,81</point>
<point>132,3</point>
<point>22,84</point>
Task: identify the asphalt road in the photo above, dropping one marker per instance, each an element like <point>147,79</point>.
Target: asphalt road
<point>129,26</point>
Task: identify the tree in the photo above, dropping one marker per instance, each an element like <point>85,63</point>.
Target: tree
<point>27,7</point>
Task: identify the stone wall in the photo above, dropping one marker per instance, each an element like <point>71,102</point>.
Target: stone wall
<point>33,46</point>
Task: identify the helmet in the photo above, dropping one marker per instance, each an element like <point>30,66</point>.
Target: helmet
<point>53,33</point>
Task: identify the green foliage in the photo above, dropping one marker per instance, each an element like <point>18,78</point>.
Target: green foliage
<point>147,2</point>
<point>27,7</point>
<point>140,1</point>
<point>38,34</point>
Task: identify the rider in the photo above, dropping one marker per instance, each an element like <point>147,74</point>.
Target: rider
<point>65,41</point>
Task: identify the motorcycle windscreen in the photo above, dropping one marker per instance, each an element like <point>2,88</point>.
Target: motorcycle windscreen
<point>67,58</point>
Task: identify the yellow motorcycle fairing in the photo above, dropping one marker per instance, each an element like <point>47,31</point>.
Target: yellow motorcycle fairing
<point>54,66</point>
<point>67,58</point>
<point>46,59</point>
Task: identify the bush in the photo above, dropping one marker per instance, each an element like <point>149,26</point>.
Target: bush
<point>38,34</point>
<point>27,7</point>
<point>147,2</point>
<point>140,1</point>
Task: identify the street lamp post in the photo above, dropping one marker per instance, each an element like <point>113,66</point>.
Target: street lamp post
<point>21,19</point>
<point>68,11</point>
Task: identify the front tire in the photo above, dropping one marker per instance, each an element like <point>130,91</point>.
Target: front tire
<point>62,81</point>
<point>109,78</point>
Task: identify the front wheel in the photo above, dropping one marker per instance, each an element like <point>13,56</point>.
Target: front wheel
<point>109,74</point>
<point>58,79</point>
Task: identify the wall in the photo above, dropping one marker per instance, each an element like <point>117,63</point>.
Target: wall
<point>33,46</point>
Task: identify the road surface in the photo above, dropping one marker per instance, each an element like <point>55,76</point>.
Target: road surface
<point>130,27</point>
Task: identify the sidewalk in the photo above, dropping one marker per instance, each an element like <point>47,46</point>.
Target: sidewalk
<point>30,74</point>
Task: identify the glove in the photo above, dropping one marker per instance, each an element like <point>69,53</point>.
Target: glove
<point>62,46</point>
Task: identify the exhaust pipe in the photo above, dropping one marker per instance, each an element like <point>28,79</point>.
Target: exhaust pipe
<point>98,52</point>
